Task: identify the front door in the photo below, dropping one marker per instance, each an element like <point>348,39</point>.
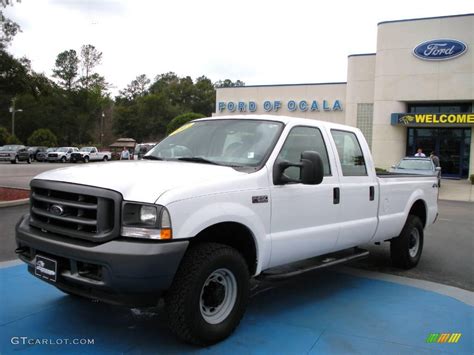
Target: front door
<point>304,221</point>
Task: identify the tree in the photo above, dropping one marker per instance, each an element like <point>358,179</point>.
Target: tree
<point>227,83</point>
<point>8,28</point>
<point>66,68</point>
<point>137,87</point>
<point>90,58</point>
<point>181,120</point>
<point>43,137</point>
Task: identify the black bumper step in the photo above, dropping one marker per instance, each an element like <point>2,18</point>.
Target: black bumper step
<point>300,267</point>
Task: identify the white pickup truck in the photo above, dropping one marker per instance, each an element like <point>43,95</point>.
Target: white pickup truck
<point>87,154</point>
<point>218,202</point>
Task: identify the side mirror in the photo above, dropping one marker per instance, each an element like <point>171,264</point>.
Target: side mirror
<point>311,170</point>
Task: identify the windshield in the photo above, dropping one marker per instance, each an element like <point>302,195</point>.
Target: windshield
<point>415,164</point>
<point>11,147</point>
<point>237,143</point>
<point>63,149</point>
<point>85,149</point>
<point>50,149</point>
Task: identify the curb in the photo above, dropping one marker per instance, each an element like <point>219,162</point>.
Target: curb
<point>23,201</point>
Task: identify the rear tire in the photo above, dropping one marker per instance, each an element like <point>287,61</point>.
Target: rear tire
<point>15,161</point>
<point>86,160</point>
<point>406,249</point>
<point>105,158</point>
<point>63,160</point>
<point>29,160</point>
<point>209,294</point>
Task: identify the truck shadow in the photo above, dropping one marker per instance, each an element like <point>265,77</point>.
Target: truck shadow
<point>120,329</point>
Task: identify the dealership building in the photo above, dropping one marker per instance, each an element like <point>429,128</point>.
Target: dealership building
<point>416,91</point>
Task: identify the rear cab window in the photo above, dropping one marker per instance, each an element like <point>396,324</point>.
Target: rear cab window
<point>350,153</point>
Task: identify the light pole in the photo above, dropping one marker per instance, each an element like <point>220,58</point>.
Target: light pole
<point>13,110</point>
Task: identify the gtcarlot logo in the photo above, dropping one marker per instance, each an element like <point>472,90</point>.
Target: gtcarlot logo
<point>51,341</point>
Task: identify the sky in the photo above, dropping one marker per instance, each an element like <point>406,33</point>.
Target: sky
<point>256,41</point>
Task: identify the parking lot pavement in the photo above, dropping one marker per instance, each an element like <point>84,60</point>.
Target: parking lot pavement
<point>19,175</point>
<point>318,313</point>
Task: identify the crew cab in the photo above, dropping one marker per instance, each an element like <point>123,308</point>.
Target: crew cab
<point>62,154</point>
<point>218,202</point>
<point>87,154</point>
<point>15,153</point>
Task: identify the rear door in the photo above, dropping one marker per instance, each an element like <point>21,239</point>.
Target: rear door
<point>304,220</point>
<point>358,189</point>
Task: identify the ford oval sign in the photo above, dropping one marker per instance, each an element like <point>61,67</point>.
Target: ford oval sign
<point>440,49</point>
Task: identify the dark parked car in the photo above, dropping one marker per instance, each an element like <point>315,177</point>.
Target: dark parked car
<point>15,153</point>
<point>35,150</point>
<point>416,165</point>
<point>43,155</point>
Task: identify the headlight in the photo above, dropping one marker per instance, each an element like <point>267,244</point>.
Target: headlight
<point>146,221</point>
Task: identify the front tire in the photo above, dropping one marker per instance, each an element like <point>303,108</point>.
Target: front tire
<point>29,160</point>
<point>105,158</point>
<point>63,160</point>
<point>209,294</point>
<point>406,249</point>
<point>86,160</point>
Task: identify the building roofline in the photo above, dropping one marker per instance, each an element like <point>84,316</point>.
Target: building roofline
<point>271,85</point>
<point>360,54</point>
<point>424,18</point>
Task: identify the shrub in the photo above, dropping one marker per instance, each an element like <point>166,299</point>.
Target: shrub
<point>3,136</point>
<point>472,179</point>
<point>13,140</point>
<point>180,120</point>
<point>43,137</point>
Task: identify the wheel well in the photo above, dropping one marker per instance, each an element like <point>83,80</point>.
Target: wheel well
<point>235,235</point>
<point>418,209</point>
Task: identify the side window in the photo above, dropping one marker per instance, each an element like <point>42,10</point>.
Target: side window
<point>302,139</point>
<point>93,150</point>
<point>350,153</point>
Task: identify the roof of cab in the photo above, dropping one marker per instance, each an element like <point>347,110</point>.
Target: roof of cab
<point>284,119</point>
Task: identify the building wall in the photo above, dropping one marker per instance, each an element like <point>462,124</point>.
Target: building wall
<point>285,93</point>
<point>382,83</point>
<point>400,77</point>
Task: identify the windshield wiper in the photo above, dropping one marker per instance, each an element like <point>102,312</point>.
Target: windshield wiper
<point>152,157</point>
<point>198,160</point>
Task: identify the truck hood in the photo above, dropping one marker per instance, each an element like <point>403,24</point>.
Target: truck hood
<point>143,181</point>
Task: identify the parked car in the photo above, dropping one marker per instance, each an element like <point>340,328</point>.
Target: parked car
<point>222,201</point>
<point>141,149</point>
<point>35,150</point>
<point>62,154</point>
<point>87,154</point>
<point>417,165</point>
<point>15,153</point>
<point>43,155</point>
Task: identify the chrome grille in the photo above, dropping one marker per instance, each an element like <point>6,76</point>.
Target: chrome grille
<point>75,210</point>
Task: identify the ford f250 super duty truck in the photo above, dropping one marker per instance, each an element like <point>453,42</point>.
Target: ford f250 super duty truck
<point>218,202</point>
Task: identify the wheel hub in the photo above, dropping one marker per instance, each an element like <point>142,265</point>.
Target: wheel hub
<point>218,296</point>
<point>414,242</point>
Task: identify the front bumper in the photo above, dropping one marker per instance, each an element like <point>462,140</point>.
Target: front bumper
<point>8,158</point>
<point>120,271</point>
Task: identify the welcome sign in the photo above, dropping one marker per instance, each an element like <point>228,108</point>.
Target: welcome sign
<point>432,119</point>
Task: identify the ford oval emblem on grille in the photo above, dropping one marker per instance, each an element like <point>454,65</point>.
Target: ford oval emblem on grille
<point>58,210</point>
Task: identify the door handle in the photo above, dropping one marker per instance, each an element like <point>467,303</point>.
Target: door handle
<point>336,195</point>
<point>371,193</point>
